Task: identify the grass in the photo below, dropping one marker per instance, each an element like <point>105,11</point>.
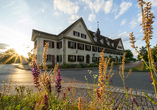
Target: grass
<point>140,67</point>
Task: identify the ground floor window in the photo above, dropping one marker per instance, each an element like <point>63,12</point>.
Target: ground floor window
<point>94,59</point>
<point>71,58</point>
<point>49,58</point>
<point>80,58</point>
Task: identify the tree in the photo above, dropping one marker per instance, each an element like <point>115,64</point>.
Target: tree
<point>129,54</point>
<point>9,56</point>
<point>144,53</point>
<point>154,53</point>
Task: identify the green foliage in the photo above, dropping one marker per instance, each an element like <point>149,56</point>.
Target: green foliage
<point>127,61</point>
<point>144,53</point>
<point>8,54</point>
<point>154,53</point>
<point>129,54</point>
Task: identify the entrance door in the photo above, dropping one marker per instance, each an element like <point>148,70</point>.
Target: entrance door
<point>87,59</point>
<point>53,60</point>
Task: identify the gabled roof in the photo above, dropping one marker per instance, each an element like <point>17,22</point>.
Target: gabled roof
<point>65,30</point>
<point>41,32</point>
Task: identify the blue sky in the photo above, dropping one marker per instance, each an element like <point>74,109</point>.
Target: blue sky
<point>117,18</point>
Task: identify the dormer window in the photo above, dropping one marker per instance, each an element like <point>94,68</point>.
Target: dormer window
<point>102,41</point>
<point>108,43</point>
<point>112,44</point>
<point>76,33</point>
<point>95,39</point>
<point>106,39</point>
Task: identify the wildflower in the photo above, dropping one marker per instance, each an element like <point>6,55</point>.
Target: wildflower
<point>64,96</point>
<point>111,82</point>
<point>35,73</point>
<point>98,93</point>
<point>79,104</point>
<point>58,81</point>
<point>127,88</point>
<point>151,80</point>
<point>68,88</point>
<point>46,101</point>
<point>49,86</point>
<point>134,101</point>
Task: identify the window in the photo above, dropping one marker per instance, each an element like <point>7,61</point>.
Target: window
<point>76,33</point>
<point>120,47</point>
<point>49,58</point>
<point>100,49</point>
<point>102,41</point>
<point>80,46</point>
<point>35,44</point>
<point>71,45</point>
<point>108,43</point>
<point>94,49</point>
<point>83,36</point>
<point>112,44</point>
<point>59,45</point>
<point>59,58</point>
<point>94,59</point>
<point>80,58</point>
<point>88,47</point>
<point>71,58</point>
<point>106,39</point>
<point>51,44</point>
<point>95,39</point>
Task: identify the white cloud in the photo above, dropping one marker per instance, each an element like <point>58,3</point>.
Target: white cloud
<point>115,8</point>
<point>133,24</point>
<point>57,13</point>
<point>91,17</point>
<point>124,6</point>
<point>108,6</point>
<point>154,2</point>
<point>141,30</point>
<point>123,21</point>
<point>66,6</point>
<point>124,36</point>
<point>43,10</point>
<point>139,17</point>
<point>96,6</point>
<point>73,18</point>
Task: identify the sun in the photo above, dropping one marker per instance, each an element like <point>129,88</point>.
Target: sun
<point>21,50</point>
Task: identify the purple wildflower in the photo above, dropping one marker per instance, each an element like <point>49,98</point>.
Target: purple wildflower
<point>127,88</point>
<point>134,101</point>
<point>64,96</point>
<point>35,73</point>
<point>58,81</point>
<point>115,108</point>
<point>98,93</point>
<point>111,82</point>
<point>68,88</point>
<point>46,101</point>
<point>151,80</point>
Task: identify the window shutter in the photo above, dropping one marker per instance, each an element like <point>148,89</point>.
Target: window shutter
<point>81,34</point>
<point>75,58</point>
<point>78,34</point>
<point>85,36</point>
<point>44,42</point>
<point>57,45</point>
<point>75,45</point>
<point>57,57</point>
<point>68,57</point>
<point>73,32</point>
<point>68,44</point>
<point>83,46</point>
<point>83,58</point>
<point>90,48</point>
<point>96,58</point>
<point>61,58</point>
<point>61,44</point>
<point>52,44</point>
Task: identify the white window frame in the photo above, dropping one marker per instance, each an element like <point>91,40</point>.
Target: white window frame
<point>95,38</point>
<point>49,58</point>
<point>102,41</point>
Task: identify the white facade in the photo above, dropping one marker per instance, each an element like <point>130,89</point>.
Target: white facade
<point>78,34</point>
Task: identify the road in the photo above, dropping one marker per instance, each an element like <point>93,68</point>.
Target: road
<point>137,80</point>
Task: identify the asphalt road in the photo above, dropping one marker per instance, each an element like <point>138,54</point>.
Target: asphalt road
<point>137,80</point>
